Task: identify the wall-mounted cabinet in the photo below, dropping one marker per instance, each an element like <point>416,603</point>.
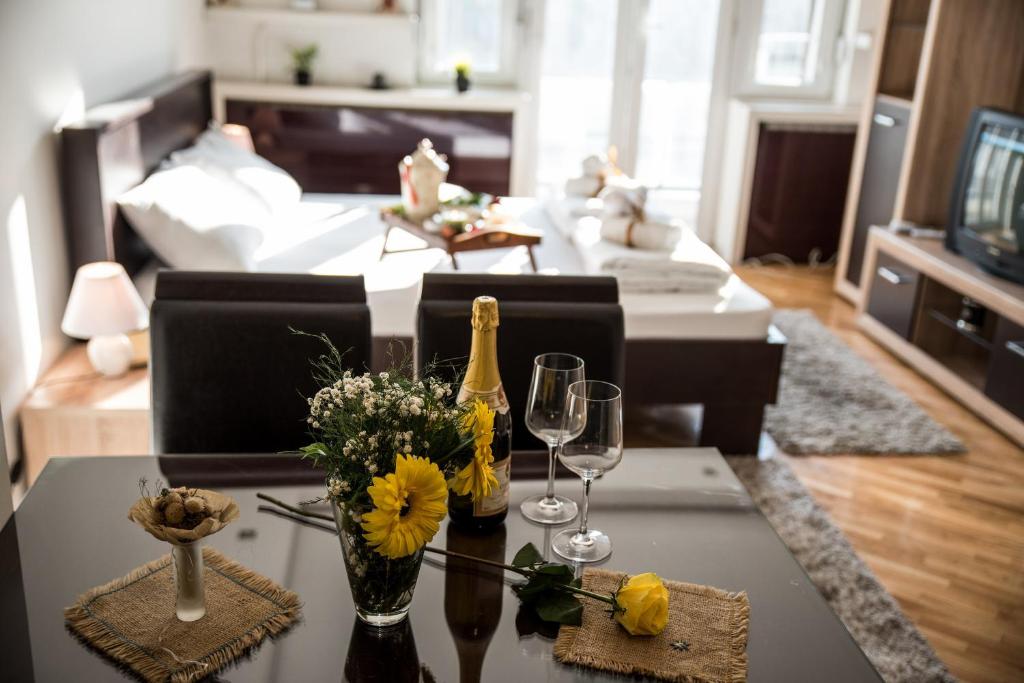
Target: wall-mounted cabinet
<point>939,60</point>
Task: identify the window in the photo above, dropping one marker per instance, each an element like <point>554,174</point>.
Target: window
<point>676,91</point>
<point>636,74</point>
<point>575,104</point>
<point>787,48</point>
<point>482,32</point>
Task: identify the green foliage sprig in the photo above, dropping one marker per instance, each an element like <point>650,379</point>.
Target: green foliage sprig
<point>360,422</point>
<point>303,57</point>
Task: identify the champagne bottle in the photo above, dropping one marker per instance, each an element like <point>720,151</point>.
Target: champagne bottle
<point>483,381</point>
<point>382,655</point>
<point>473,594</point>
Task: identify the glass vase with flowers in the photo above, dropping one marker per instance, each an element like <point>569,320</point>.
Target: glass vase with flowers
<point>391,445</point>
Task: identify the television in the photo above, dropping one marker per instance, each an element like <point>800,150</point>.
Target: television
<point>986,215</point>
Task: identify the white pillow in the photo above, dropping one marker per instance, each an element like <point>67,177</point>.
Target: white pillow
<point>218,155</point>
<point>198,220</point>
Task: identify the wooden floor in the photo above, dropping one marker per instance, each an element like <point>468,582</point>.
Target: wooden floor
<point>944,534</point>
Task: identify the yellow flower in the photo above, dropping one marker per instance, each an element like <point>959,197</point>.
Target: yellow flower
<point>642,605</point>
<point>477,478</point>
<point>408,506</point>
<point>480,419</point>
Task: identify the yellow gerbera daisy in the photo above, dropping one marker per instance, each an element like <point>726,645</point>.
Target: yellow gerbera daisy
<point>477,478</point>
<point>480,419</point>
<point>408,506</point>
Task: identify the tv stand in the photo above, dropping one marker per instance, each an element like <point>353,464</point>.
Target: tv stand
<point>912,304</point>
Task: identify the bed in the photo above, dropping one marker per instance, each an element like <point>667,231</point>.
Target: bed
<point>718,350</point>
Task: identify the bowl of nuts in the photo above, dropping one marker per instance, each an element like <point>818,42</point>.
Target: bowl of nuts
<point>183,515</point>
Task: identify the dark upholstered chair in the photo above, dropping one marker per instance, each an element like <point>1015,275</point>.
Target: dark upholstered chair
<point>228,376</point>
<point>538,314</point>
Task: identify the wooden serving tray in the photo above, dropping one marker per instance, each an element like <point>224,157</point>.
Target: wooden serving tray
<point>453,242</point>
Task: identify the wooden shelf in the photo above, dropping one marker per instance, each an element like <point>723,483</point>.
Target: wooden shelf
<point>899,99</point>
<point>506,100</point>
<point>273,14</point>
<point>952,325</point>
<point>910,11</point>
<point>902,56</point>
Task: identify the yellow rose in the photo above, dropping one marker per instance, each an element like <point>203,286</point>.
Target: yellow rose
<point>642,605</point>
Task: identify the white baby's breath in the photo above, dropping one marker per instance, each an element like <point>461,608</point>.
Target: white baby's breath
<point>359,422</point>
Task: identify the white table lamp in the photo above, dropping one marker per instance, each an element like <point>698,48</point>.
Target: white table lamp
<point>103,306</point>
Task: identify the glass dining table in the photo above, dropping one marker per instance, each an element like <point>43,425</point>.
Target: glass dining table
<point>678,512</point>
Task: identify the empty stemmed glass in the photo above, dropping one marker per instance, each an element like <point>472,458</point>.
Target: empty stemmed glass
<point>591,445</point>
<point>553,374</point>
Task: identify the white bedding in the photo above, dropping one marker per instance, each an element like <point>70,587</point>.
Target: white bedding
<point>343,235</point>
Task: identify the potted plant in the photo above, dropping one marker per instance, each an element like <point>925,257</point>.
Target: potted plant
<point>462,81</point>
<point>302,63</point>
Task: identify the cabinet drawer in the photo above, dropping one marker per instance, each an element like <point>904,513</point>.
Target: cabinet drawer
<point>894,288</point>
<point>1005,381</point>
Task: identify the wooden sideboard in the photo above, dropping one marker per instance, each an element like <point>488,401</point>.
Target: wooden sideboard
<point>350,140</point>
<point>914,291</point>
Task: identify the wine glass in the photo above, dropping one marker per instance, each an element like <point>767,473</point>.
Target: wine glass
<point>553,373</point>
<point>591,445</point>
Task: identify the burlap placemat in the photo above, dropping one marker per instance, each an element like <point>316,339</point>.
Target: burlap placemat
<point>705,640</point>
<point>132,619</point>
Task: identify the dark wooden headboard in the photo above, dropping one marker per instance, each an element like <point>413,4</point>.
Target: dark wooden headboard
<point>112,149</point>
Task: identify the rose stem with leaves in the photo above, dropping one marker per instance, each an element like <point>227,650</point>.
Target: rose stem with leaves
<point>440,551</point>
<point>518,570</point>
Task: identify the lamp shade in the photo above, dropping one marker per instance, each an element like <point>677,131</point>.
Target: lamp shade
<point>103,301</point>
<point>239,135</point>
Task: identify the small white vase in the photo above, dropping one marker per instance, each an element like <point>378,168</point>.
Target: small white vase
<point>190,604</point>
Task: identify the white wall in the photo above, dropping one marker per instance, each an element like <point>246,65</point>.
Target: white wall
<point>244,44</point>
<point>58,57</point>
<point>5,486</point>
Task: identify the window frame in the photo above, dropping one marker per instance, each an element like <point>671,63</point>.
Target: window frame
<point>428,48</point>
<point>829,20</point>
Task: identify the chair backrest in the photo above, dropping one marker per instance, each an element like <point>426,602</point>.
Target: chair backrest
<point>538,314</point>
<point>228,375</point>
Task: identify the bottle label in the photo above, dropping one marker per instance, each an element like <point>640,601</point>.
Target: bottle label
<point>498,500</point>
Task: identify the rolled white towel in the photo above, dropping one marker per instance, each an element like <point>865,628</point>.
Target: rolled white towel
<point>642,234</point>
<point>584,186</point>
<point>623,196</point>
<point>596,165</point>
<point>691,267</point>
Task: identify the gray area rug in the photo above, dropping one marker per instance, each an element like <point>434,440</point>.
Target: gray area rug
<point>832,401</point>
<point>893,644</point>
